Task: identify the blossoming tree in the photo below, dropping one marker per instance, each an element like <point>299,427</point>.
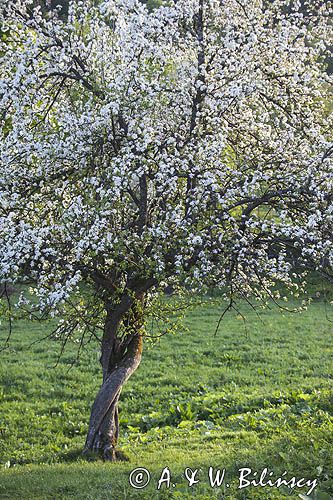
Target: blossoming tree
<point>188,145</point>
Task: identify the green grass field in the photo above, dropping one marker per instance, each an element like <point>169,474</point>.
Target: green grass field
<point>255,397</point>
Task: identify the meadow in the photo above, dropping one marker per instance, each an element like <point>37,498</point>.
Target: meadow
<point>256,395</point>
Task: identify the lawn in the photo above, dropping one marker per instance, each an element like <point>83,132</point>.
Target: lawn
<point>255,395</point>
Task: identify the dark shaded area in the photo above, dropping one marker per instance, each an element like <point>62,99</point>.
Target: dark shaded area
<point>6,290</point>
<point>48,5</point>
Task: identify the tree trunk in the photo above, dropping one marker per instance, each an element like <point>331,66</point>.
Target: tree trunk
<point>103,429</point>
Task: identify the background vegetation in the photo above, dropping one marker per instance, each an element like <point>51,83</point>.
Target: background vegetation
<point>257,394</point>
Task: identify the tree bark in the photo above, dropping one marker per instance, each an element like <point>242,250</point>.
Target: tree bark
<point>103,429</point>
<point>121,352</point>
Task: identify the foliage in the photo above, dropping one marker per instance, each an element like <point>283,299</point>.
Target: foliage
<point>189,145</point>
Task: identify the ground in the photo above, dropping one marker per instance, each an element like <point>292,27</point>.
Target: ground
<point>255,395</point>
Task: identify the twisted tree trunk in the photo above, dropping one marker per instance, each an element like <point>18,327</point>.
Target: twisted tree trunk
<point>120,357</point>
<point>103,430</point>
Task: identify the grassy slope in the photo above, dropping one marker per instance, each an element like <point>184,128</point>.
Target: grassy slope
<point>254,399</point>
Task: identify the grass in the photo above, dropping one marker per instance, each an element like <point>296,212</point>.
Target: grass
<point>256,398</point>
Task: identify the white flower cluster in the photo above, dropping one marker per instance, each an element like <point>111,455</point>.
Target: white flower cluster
<point>190,143</point>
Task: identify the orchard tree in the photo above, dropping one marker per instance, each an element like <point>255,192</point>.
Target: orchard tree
<point>188,145</point>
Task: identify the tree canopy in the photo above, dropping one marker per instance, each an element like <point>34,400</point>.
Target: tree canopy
<point>140,146</point>
<point>188,145</point>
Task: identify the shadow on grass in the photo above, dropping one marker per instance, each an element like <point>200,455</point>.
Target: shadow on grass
<point>73,455</point>
<point>77,455</point>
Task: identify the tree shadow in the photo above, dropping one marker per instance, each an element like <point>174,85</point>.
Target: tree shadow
<point>78,455</point>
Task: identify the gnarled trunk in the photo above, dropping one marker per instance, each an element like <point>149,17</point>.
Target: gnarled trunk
<point>120,357</point>
<point>103,430</point>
